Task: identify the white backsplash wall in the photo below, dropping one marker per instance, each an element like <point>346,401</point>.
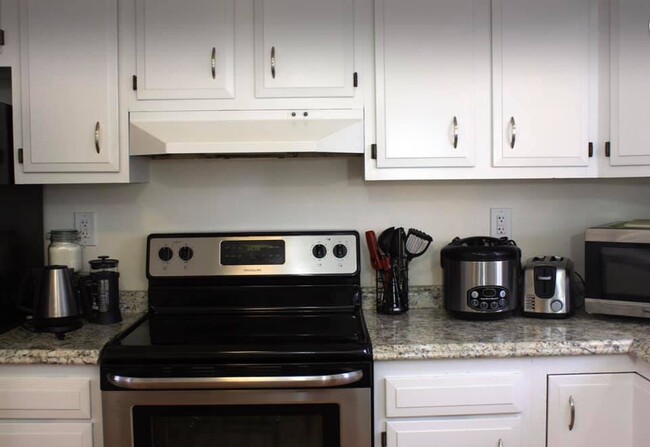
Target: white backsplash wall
<point>549,216</point>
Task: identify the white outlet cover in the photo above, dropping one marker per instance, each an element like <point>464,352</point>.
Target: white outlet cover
<point>501,222</point>
<point>86,223</point>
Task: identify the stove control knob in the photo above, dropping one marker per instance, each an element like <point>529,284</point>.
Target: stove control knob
<point>165,254</point>
<point>340,251</point>
<point>319,251</point>
<point>186,253</point>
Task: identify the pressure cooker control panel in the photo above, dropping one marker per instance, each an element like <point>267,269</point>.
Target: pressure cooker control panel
<point>488,299</point>
<point>197,254</point>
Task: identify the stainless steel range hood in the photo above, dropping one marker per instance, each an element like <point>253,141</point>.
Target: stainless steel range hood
<point>246,132</point>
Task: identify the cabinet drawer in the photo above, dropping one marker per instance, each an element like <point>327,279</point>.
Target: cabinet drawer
<point>44,398</point>
<point>455,433</point>
<point>46,434</point>
<point>453,395</point>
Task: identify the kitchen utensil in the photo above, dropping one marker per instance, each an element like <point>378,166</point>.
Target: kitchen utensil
<point>417,242</point>
<point>376,259</point>
<point>481,277</point>
<point>552,289</point>
<point>100,292</point>
<point>385,240</point>
<point>53,303</point>
<point>397,244</point>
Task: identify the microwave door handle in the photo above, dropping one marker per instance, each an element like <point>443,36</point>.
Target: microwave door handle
<point>224,383</point>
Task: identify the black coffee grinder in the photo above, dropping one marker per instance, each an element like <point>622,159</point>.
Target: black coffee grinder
<point>100,292</point>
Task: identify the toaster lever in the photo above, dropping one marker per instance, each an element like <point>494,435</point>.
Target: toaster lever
<point>545,278</point>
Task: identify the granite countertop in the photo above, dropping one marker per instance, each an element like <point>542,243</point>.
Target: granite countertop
<point>424,332</point>
<point>80,347</point>
<point>432,334</point>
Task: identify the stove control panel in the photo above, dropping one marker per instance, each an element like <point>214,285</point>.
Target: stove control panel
<point>200,254</point>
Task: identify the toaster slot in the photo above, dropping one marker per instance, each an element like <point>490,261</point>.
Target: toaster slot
<point>545,281</point>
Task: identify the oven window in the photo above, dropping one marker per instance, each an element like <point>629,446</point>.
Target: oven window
<point>237,426</point>
<point>626,272</point>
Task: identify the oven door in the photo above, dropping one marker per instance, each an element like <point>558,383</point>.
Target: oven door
<point>260,417</point>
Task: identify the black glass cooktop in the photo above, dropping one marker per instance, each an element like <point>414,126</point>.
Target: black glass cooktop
<point>247,336</point>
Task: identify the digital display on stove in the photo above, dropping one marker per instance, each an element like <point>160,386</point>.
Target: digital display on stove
<point>251,252</point>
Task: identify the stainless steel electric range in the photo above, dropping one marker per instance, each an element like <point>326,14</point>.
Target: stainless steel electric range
<point>251,340</point>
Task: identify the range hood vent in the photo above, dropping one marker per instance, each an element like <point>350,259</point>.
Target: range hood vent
<point>246,132</point>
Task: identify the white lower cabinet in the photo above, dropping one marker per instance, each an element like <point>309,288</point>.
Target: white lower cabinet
<point>466,403</point>
<point>594,410</point>
<point>471,432</point>
<point>584,401</point>
<point>50,405</point>
<point>46,434</point>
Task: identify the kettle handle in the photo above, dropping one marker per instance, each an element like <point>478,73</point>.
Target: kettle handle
<point>85,297</point>
<point>28,289</point>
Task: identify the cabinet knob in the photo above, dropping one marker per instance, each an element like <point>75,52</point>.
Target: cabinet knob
<point>273,62</point>
<point>513,132</point>
<point>213,63</point>
<point>97,137</point>
<point>572,405</point>
<point>500,443</point>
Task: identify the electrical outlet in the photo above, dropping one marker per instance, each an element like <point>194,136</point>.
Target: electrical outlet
<point>501,222</point>
<point>86,223</point>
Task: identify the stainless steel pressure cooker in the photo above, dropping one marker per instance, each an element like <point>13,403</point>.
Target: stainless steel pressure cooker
<point>481,277</point>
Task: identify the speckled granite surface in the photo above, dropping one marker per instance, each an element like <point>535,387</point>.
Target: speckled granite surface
<point>80,347</point>
<point>425,332</point>
<point>431,334</point>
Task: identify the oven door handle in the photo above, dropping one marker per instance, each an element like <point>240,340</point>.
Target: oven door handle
<point>224,383</point>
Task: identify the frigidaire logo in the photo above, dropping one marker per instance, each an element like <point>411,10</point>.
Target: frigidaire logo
<point>252,270</point>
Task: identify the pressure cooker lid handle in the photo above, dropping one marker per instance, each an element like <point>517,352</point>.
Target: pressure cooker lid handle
<point>482,241</point>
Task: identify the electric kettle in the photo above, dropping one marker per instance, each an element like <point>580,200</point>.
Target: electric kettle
<point>52,302</point>
<point>100,292</point>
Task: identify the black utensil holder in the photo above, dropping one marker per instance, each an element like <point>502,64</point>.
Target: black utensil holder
<point>393,289</point>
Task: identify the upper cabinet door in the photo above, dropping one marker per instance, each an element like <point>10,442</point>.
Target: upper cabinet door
<point>541,82</point>
<point>304,48</point>
<point>427,80</point>
<point>630,72</point>
<point>69,85</point>
<point>185,49</point>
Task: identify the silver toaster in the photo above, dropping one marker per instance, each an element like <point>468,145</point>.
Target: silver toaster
<point>551,287</point>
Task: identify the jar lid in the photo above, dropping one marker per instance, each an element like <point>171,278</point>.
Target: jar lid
<point>63,235</point>
<point>103,262</point>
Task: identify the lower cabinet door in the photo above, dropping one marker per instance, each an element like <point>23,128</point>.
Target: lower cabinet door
<point>483,432</point>
<point>46,434</point>
<point>590,410</point>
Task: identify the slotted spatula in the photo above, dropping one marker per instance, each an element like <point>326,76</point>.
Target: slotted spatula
<point>417,243</point>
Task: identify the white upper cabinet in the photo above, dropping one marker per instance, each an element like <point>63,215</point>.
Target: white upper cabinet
<point>427,81</point>
<point>185,49</point>
<point>541,82</point>
<point>69,86</point>
<point>304,48</point>
<point>630,75</point>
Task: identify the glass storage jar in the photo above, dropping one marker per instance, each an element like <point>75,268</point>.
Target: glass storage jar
<point>65,249</point>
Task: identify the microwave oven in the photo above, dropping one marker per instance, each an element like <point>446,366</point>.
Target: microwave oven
<point>617,269</point>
